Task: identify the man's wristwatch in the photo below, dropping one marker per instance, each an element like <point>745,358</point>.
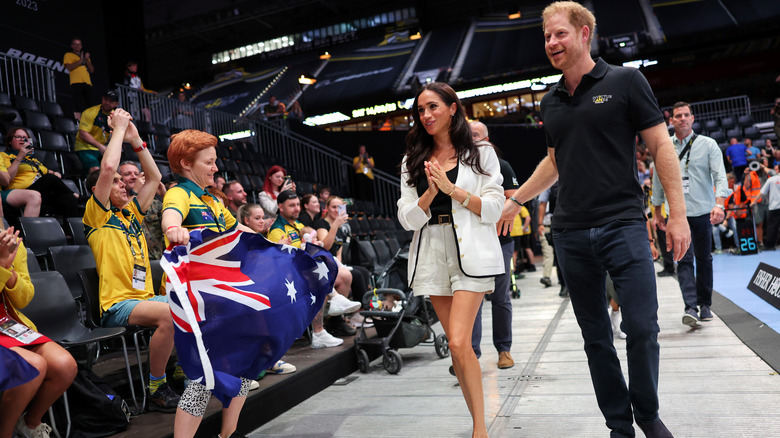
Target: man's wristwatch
<point>720,206</point>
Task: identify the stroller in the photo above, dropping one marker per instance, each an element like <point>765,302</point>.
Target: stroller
<point>405,328</point>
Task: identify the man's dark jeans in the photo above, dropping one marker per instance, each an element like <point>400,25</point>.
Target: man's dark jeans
<point>697,289</point>
<point>586,255</point>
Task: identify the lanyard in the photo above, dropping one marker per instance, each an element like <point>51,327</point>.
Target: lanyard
<point>128,232</point>
<point>687,151</point>
<point>35,166</point>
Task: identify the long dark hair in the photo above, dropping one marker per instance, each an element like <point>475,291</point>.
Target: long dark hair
<point>419,144</point>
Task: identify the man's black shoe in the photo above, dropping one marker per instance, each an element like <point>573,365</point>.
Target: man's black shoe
<point>564,292</point>
<point>338,327</point>
<point>545,281</point>
<point>163,400</point>
<point>666,273</point>
<point>452,370</point>
<point>656,429</point>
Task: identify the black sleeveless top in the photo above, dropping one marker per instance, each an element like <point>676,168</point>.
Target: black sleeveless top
<point>441,203</point>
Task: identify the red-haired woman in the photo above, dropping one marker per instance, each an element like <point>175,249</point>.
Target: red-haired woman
<point>193,155</point>
<point>275,183</point>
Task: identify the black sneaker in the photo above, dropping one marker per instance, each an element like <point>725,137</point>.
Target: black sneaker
<point>163,400</point>
<point>666,273</point>
<point>564,292</point>
<point>546,281</point>
<point>338,327</point>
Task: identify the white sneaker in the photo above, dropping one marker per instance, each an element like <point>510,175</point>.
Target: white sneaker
<point>339,305</point>
<point>282,367</point>
<point>254,385</point>
<point>41,431</point>
<point>617,318</point>
<point>324,339</point>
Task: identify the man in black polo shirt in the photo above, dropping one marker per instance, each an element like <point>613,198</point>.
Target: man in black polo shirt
<point>591,117</point>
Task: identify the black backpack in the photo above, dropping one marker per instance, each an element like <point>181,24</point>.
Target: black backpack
<point>96,410</point>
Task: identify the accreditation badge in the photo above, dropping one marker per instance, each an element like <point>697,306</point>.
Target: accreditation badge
<point>17,330</point>
<point>139,277</point>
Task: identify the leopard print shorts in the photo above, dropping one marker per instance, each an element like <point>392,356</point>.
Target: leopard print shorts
<point>196,397</point>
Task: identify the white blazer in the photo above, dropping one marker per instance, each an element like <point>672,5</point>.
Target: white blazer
<point>476,236</point>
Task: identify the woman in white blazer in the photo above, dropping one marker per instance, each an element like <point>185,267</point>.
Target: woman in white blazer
<point>451,197</point>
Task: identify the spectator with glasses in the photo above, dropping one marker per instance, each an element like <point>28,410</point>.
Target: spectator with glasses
<point>27,172</point>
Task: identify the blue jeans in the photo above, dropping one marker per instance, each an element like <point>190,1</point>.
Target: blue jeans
<point>697,288</point>
<point>622,249</point>
<point>501,308</point>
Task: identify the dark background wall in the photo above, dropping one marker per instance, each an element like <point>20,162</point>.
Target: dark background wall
<point>522,147</point>
<point>41,31</point>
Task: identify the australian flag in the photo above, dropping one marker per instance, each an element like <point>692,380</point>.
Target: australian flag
<point>14,370</point>
<point>239,301</point>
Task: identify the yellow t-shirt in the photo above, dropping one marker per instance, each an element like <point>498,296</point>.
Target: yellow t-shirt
<point>197,208</point>
<point>364,168</point>
<point>95,122</point>
<point>79,74</point>
<point>281,228</point>
<point>30,169</point>
<point>111,233</point>
<point>517,225</point>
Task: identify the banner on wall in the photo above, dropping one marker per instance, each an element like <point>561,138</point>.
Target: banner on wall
<point>766,284</point>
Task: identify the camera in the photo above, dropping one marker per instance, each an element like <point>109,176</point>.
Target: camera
<point>754,166</point>
<point>29,147</point>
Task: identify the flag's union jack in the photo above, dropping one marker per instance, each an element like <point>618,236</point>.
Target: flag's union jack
<point>239,301</point>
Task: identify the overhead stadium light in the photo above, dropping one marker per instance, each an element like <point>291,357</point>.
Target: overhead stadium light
<point>416,36</point>
<point>306,79</point>
<point>325,55</point>
<point>515,16</point>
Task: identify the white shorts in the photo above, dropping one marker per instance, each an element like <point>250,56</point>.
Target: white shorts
<point>438,269</point>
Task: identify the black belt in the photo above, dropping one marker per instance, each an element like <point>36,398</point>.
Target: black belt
<point>440,219</point>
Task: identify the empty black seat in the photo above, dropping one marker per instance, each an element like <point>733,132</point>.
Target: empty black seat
<point>711,125</point>
<point>752,133</point>
<point>727,123</point>
<point>75,227</point>
<point>24,103</point>
<point>36,120</point>
<point>745,121</point>
<point>718,135</point>
<point>52,109</point>
<point>735,132</point>
<point>53,141</point>
<point>67,260</point>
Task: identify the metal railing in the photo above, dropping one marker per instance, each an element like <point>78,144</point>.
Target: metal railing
<point>761,113</point>
<point>272,138</point>
<point>26,78</point>
<point>716,109</point>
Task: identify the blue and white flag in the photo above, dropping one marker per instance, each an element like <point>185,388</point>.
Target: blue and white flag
<point>239,301</point>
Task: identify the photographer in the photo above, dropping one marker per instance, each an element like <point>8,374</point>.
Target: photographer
<point>364,174</point>
<point>27,172</point>
<point>757,175</point>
